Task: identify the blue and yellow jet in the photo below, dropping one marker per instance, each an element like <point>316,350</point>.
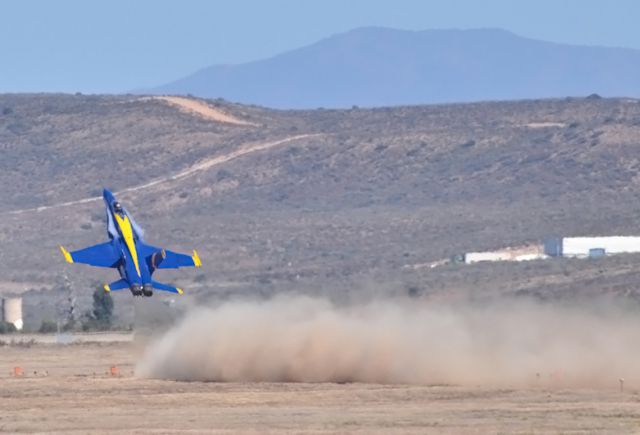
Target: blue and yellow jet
<point>126,251</point>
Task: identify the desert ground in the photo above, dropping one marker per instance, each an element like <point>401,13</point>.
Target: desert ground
<point>69,389</point>
<point>345,206</point>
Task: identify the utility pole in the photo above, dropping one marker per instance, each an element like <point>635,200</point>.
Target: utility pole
<point>66,313</point>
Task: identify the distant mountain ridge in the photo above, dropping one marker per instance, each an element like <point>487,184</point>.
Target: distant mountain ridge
<point>381,67</point>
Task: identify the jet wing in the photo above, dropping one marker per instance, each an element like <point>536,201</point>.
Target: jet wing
<point>174,260</point>
<point>159,258</point>
<point>102,255</point>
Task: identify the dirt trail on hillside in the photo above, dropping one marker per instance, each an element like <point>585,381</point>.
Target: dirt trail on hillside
<point>214,161</point>
<point>197,167</point>
<point>201,109</point>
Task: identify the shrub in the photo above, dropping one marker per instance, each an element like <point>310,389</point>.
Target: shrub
<point>7,328</point>
<point>48,326</point>
<point>223,174</point>
<point>102,307</point>
<point>99,319</point>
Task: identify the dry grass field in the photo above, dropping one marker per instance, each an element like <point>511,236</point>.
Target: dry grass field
<point>78,396</point>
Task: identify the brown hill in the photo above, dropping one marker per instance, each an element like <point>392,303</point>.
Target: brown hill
<point>320,200</point>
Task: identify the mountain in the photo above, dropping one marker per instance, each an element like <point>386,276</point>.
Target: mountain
<point>384,67</point>
<point>319,200</point>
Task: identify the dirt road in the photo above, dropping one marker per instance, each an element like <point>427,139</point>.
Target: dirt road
<point>201,109</point>
<point>197,167</point>
<point>78,396</point>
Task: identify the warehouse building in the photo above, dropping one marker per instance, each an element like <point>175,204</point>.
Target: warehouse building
<point>593,247</point>
<point>520,253</point>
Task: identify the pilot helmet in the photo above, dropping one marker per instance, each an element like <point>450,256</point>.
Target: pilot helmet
<point>117,207</point>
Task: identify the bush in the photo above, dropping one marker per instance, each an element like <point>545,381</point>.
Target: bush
<point>90,324</point>
<point>99,319</point>
<point>102,306</point>
<point>7,328</point>
<point>413,291</point>
<point>223,174</point>
<point>69,326</point>
<point>48,326</point>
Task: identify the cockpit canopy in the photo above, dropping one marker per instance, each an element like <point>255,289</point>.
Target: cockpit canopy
<point>117,207</point>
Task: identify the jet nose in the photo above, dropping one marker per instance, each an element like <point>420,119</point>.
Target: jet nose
<point>108,196</point>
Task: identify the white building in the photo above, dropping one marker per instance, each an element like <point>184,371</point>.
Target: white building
<point>588,246</point>
<point>520,253</point>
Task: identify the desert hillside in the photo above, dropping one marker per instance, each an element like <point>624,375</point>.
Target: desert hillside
<point>321,200</point>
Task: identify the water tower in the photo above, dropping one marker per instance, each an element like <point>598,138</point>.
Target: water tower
<point>12,312</point>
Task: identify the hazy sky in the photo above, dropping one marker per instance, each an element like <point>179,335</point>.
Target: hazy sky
<point>117,45</point>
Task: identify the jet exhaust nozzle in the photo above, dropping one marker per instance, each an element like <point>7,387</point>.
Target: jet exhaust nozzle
<point>136,289</point>
<point>147,290</point>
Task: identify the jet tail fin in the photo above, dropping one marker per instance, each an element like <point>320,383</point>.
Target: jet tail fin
<point>167,288</point>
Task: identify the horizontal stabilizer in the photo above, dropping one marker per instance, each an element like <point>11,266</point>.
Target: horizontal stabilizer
<point>167,288</point>
<point>120,284</point>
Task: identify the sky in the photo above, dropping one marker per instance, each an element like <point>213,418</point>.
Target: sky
<point>113,46</point>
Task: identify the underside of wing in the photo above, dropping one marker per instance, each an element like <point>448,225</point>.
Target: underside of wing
<point>102,255</point>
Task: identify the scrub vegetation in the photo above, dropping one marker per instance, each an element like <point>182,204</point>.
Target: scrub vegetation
<point>322,201</point>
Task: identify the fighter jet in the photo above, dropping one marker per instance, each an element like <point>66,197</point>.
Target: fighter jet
<point>126,251</point>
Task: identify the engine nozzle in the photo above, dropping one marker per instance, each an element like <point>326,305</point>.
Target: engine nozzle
<point>147,290</point>
<point>136,289</point>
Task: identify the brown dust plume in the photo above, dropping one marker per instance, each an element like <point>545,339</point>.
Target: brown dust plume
<point>303,339</point>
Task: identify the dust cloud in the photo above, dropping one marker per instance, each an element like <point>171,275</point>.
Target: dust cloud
<point>408,341</point>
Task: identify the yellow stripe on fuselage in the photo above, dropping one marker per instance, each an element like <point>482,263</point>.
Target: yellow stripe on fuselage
<point>127,233</point>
